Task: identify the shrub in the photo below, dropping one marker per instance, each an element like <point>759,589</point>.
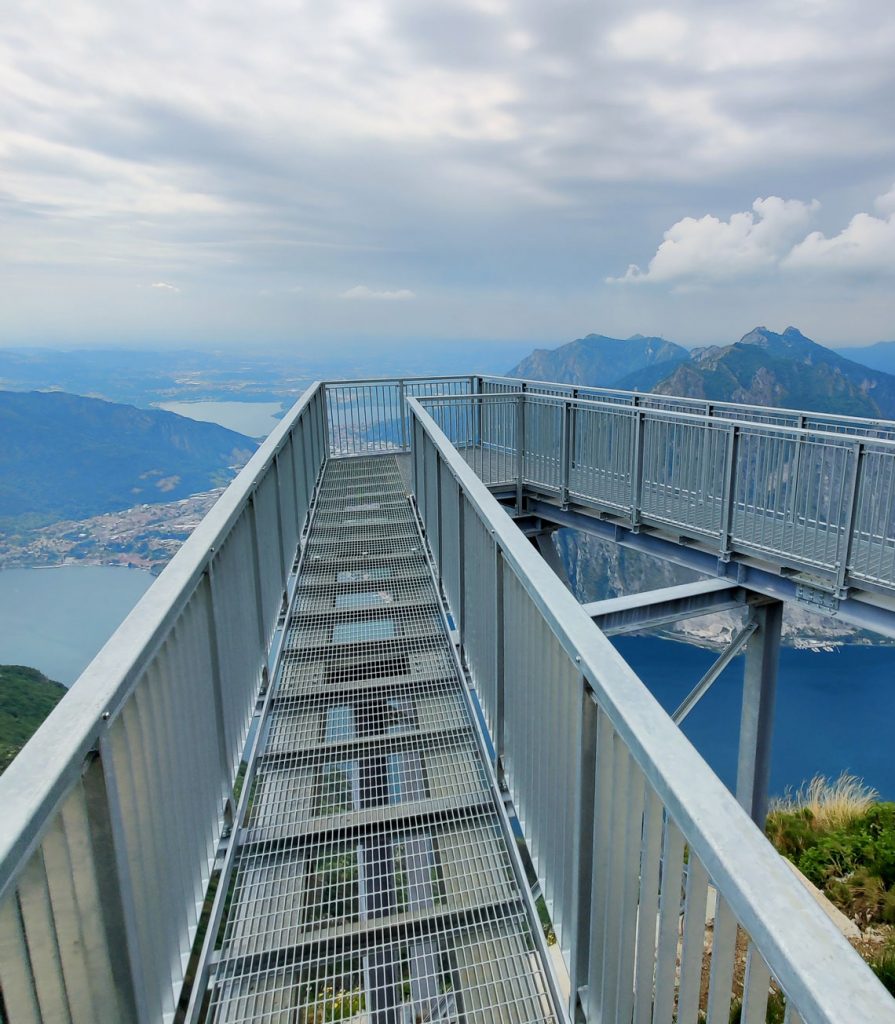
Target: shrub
<point>868,895</point>
<point>832,856</point>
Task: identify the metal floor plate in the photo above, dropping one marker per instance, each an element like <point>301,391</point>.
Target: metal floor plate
<point>373,880</point>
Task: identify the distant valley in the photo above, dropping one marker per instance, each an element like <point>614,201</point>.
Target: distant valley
<point>68,457</point>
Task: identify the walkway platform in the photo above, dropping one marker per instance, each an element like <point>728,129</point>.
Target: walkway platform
<point>373,880</point>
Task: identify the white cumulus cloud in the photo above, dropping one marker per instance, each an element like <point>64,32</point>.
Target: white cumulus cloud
<point>165,286</point>
<point>865,245</point>
<point>361,291</point>
<point>709,249</point>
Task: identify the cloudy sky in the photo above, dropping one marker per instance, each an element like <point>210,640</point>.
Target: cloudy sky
<point>203,171</point>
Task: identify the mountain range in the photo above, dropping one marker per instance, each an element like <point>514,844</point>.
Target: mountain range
<point>880,356</point>
<point>63,456</point>
<point>762,368</point>
<point>610,361</point>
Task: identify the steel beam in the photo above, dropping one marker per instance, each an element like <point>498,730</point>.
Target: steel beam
<point>718,666</point>
<point>656,608</point>
<point>867,610</point>
<point>757,718</point>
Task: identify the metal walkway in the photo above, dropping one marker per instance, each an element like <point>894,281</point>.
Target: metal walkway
<point>373,880</point>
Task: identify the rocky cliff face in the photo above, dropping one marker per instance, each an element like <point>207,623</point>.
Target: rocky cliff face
<point>599,570</point>
<point>601,361</point>
<point>783,370</point>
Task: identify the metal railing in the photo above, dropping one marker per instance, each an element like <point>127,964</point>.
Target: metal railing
<point>112,816</point>
<point>801,419</point>
<point>368,416</point>
<point>801,499</point>
<point>630,833</point>
<point>113,812</point>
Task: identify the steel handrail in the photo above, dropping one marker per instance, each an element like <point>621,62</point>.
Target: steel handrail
<point>816,967</point>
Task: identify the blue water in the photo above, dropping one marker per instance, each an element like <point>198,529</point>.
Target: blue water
<point>256,419</point>
<point>57,619</point>
<point>834,711</point>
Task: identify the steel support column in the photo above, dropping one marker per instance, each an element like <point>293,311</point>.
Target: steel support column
<point>757,717</point>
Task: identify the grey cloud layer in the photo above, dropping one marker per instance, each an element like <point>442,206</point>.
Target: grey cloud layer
<point>491,153</point>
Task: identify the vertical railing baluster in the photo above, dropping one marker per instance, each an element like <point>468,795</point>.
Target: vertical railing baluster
<point>728,492</point>
<point>851,493</point>
<point>637,465</point>
<point>520,448</point>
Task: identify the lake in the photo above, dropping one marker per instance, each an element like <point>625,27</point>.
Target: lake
<point>256,419</point>
<point>56,619</point>
<point>834,711</point>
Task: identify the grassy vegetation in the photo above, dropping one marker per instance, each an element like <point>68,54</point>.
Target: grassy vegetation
<point>832,805</point>
<point>26,698</point>
<point>843,840</point>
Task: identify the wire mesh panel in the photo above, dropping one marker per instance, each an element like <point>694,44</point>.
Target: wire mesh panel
<point>791,495</point>
<point>543,445</point>
<point>873,536</point>
<point>373,879</point>
<point>370,416</point>
<point>683,473</point>
<point>601,459</point>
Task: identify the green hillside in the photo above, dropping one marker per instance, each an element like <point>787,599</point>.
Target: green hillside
<point>63,456</point>
<point>26,698</point>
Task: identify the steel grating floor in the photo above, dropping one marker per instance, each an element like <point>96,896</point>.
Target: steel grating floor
<point>373,881</point>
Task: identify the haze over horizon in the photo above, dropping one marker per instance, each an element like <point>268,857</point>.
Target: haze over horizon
<point>346,173</point>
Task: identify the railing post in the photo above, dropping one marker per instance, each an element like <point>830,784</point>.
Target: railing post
<point>107,799</point>
<point>478,389</point>
<point>402,412</point>
<point>568,412</point>
<point>113,902</point>
<point>582,871</point>
<point>323,419</point>
<point>851,496</point>
<point>637,464</point>
<point>520,447</point>
<point>214,643</point>
<point>795,470</point>
<point>498,655</point>
<point>729,492</point>
<point>256,577</point>
<point>757,716</point>
<point>461,567</point>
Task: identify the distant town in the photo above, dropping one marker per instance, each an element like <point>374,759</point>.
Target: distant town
<point>142,537</point>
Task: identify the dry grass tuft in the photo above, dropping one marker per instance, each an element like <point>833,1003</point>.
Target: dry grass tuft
<point>832,805</point>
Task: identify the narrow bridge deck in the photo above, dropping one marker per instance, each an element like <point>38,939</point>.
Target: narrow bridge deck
<point>374,881</point>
